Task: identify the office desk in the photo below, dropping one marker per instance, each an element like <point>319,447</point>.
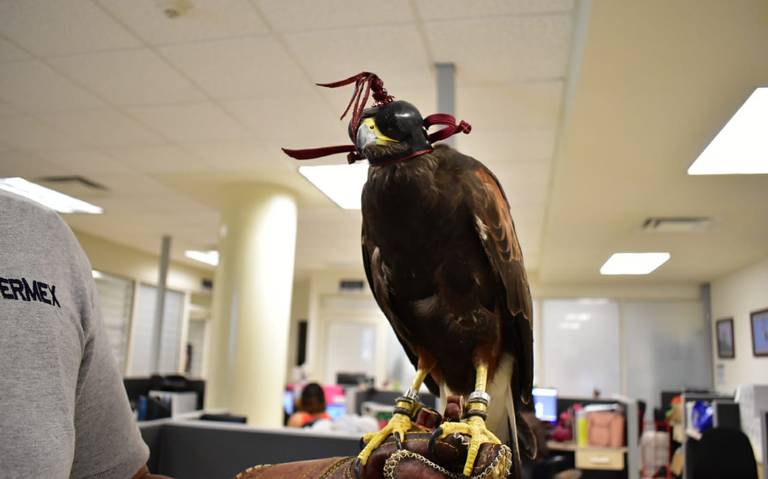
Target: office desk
<point>591,458</point>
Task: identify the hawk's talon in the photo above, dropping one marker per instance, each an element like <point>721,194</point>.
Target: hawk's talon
<point>357,468</point>
<point>436,434</point>
<point>397,426</point>
<point>475,428</point>
<point>398,440</point>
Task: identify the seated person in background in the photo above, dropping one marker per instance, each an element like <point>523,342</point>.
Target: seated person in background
<point>311,407</point>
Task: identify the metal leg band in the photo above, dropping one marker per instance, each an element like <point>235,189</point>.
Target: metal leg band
<point>481,397</point>
<point>476,412</point>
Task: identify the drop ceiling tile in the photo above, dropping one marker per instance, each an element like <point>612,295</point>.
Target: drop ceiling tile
<point>251,67</point>
<point>399,58</point>
<point>102,128</point>
<point>207,19</point>
<point>191,122</point>
<point>527,179</point>
<point>32,86</point>
<point>6,110</point>
<point>129,77</point>
<point>240,155</point>
<point>9,52</point>
<point>301,119</point>
<point>15,163</point>
<point>445,9</point>
<point>172,207</point>
<point>497,147</point>
<point>503,49</point>
<point>156,159</point>
<point>310,14</point>
<point>129,184</point>
<point>511,107</point>
<point>62,27</point>
<point>29,134</point>
<point>80,161</point>
<point>119,179</point>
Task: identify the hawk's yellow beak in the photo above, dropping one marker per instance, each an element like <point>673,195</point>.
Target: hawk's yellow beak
<point>381,138</point>
<point>368,133</point>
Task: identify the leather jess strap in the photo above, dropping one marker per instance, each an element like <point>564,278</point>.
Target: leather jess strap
<point>450,128</point>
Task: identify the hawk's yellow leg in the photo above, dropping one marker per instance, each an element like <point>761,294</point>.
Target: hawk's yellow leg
<point>406,408</point>
<point>474,424</point>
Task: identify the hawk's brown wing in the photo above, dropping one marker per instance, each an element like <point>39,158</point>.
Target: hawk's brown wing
<point>496,231</point>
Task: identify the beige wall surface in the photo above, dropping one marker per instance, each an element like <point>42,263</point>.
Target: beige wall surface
<point>736,296</point>
<point>120,260</point>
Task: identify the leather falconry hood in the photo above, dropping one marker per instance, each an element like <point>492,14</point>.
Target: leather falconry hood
<point>399,120</point>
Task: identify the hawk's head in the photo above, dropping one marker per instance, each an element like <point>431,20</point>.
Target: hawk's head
<point>390,132</point>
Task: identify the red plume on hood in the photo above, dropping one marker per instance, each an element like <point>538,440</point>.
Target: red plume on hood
<point>365,84</point>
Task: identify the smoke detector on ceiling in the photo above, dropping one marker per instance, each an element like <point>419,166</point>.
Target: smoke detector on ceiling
<point>175,8</point>
<point>677,224</point>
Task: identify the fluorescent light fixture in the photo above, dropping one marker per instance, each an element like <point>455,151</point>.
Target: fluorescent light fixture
<point>210,257</point>
<point>633,263</point>
<point>741,147</point>
<point>578,316</point>
<point>593,301</point>
<point>343,184</point>
<point>96,274</point>
<point>48,197</point>
<point>571,326</point>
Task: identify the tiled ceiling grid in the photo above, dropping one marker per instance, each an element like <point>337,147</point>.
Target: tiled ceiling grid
<point>147,105</point>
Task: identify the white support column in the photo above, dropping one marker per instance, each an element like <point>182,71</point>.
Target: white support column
<point>252,302</point>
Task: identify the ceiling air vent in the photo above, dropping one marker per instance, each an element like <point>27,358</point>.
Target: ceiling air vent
<point>75,185</point>
<point>351,285</point>
<point>677,225</point>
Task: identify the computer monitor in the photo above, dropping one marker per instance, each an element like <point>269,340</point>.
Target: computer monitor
<point>336,410</point>
<point>289,404</point>
<point>545,404</point>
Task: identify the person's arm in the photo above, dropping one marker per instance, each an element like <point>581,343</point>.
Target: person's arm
<point>143,473</point>
<point>63,409</point>
<point>108,443</point>
<point>297,419</point>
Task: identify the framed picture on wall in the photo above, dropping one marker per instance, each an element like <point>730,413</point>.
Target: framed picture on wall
<point>759,322</point>
<point>725,342</point>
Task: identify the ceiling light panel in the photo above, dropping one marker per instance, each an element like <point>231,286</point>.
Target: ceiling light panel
<point>48,197</point>
<point>633,263</point>
<point>210,257</point>
<point>343,184</point>
<point>741,147</point>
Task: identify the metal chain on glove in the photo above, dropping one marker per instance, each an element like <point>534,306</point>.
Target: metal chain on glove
<point>504,454</point>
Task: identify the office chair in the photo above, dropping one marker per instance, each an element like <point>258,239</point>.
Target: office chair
<point>724,452</point>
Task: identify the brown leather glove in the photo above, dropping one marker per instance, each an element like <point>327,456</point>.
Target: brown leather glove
<point>143,473</point>
<point>413,461</point>
<point>416,458</point>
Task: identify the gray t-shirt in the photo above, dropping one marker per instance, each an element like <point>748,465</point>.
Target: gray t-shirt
<point>63,410</point>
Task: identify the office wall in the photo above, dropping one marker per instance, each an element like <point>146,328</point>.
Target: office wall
<point>325,303</point>
<point>184,282</point>
<point>664,347</point>
<point>736,295</point>
<point>127,262</point>
<point>658,335</point>
<point>635,347</point>
<point>299,311</point>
